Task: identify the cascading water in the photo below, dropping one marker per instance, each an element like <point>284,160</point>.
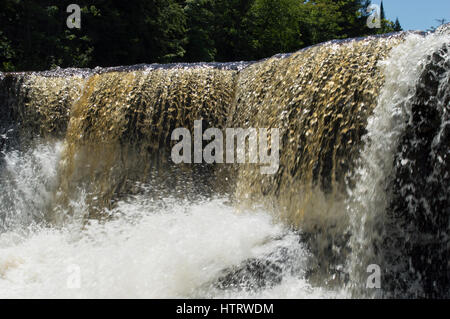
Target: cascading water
<point>88,188</point>
<point>369,204</point>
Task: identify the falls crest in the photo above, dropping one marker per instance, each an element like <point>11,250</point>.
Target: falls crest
<point>348,193</point>
<point>320,99</point>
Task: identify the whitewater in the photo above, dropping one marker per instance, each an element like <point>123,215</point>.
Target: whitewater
<point>168,246</point>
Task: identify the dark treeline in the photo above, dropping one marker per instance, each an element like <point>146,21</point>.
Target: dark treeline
<point>34,34</point>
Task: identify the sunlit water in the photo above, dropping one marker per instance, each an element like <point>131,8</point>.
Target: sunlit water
<point>171,248</point>
<point>150,249</point>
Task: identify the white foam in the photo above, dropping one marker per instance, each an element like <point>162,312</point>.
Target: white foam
<point>28,180</point>
<point>369,199</point>
<point>173,252</point>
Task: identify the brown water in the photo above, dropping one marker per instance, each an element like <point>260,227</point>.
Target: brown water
<point>340,107</point>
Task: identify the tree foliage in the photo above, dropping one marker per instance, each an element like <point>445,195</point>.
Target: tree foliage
<point>34,34</point>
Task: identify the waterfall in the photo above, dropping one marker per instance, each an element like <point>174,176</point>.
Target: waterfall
<point>88,182</point>
<point>379,166</point>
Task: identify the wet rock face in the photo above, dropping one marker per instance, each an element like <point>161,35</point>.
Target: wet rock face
<point>418,244</point>
<point>266,271</point>
<point>254,274</point>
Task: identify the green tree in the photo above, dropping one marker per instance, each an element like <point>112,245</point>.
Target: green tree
<point>397,25</point>
<point>6,54</point>
<point>382,13</point>
<point>232,29</point>
<point>34,35</point>
<point>200,18</point>
<point>136,31</point>
<point>277,26</point>
<point>38,37</point>
<point>325,20</point>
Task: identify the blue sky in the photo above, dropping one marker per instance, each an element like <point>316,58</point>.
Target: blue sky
<point>416,14</point>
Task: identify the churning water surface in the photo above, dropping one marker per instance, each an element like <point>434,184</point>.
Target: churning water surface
<point>162,249</point>
<point>178,248</point>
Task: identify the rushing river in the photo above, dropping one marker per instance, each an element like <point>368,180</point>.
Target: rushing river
<point>90,207</point>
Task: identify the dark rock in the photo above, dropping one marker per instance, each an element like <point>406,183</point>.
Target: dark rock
<point>417,245</point>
